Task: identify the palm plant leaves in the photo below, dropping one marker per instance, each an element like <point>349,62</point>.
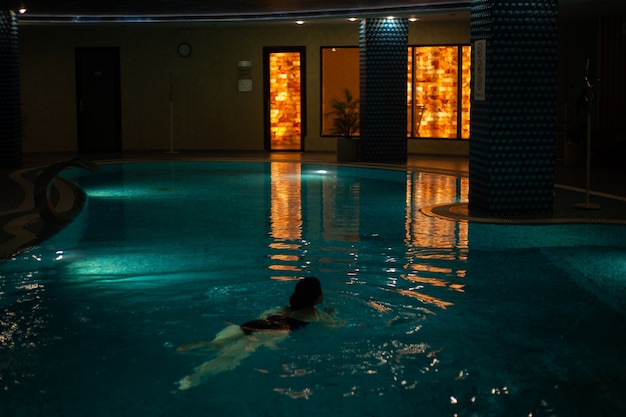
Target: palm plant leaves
<point>347,114</point>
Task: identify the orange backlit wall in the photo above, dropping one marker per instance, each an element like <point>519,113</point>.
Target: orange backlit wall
<point>435,106</point>
<point>437,91</point>
<point>466,78</point>
<point>285,100</point>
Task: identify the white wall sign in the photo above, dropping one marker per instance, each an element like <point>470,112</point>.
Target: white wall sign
<point>244,76</point>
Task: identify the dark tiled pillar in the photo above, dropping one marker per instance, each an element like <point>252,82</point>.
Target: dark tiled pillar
<point>10,114</point>
<point>383,60</point>
<point>513,129</point>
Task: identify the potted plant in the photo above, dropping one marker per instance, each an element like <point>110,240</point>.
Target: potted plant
<point>346,123</point>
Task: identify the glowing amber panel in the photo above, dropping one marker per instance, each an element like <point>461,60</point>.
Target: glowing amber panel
<point>436,83</point>
<point>433,97</point>
<point>285,100</point>
<point>437,91</point>
<point>409,92</point>
<point>466,82</point>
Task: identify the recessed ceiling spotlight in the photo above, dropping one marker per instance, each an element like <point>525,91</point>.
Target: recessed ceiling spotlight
<point>412,19</point>
<point>22,9</point>
<point>352,19</point>
<point>390,17</point>
<point>299,22</point>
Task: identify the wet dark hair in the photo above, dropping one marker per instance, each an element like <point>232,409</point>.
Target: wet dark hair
<point>305,294</point>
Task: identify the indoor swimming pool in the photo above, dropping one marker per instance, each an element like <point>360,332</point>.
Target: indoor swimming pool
<point>435,317</point>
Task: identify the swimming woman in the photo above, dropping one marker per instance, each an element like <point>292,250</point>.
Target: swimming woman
<point>237,342</point>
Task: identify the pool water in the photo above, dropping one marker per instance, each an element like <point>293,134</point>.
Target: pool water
<point>440,318</point>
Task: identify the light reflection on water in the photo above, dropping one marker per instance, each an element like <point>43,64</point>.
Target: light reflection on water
<point>441,317</point>
<point>428,249</point>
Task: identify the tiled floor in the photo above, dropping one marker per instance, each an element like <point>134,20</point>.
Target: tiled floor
<point>607,181</point>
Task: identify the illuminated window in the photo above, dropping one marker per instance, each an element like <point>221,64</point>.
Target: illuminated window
<point>436,106</point>
<point>285,97</point>
<point>466,78</point>
<point>340,71</point>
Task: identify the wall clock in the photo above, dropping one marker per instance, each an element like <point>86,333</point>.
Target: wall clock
<point>184,49</point>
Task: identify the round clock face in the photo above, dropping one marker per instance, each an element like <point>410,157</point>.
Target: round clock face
<point>184,49</point>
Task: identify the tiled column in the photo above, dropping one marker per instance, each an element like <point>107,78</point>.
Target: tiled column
<point>383,60</point>
<point>513,130</point>
<point>10,113</point>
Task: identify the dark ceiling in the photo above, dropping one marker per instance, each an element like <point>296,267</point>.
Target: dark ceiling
<point>246,10</point>
<point>226,10</point>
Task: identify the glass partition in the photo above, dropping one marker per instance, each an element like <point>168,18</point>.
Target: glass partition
<point>466,78</point>
<point>438,88</point>
<point>436,94</point>
<point>340,71</point>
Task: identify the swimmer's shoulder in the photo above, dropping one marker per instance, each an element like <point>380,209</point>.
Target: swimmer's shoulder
<point>314,316</point>
<point>306,315</point>
<point>276,311</point>
<point>311,315</point>
<point>324,317</point>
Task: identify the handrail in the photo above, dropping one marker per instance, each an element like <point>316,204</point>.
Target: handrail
<point>43,203</point>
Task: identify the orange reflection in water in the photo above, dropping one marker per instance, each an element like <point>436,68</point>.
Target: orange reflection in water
<point>284,257</point>
<point>431,268</point>
<point>337,219</point>
<point>424,190</point>
<point>286,201</point>
<point>435,282</point>
<point>284,268</point>
<point>432,259</point>
<point>288,246</point>
<point>285,217</point>
<point>424,298</point>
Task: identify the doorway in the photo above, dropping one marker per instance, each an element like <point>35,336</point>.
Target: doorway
<point>284,91</point>
<point>98,107</point>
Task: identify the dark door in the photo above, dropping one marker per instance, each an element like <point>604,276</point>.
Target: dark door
<point>284,73</point>
<point>98,99</point>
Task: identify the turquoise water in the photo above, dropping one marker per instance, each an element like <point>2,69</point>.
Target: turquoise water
<point>440,318</point>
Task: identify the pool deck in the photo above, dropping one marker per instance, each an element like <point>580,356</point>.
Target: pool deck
<point>607,190</point>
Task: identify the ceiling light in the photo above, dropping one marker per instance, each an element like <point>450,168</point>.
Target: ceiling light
<point>299,22</point>
<point>352,19</point>
<point>22,9</point>
<point>412,19</point>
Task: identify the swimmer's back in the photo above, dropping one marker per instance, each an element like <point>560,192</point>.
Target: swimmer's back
<point>273,322</point>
